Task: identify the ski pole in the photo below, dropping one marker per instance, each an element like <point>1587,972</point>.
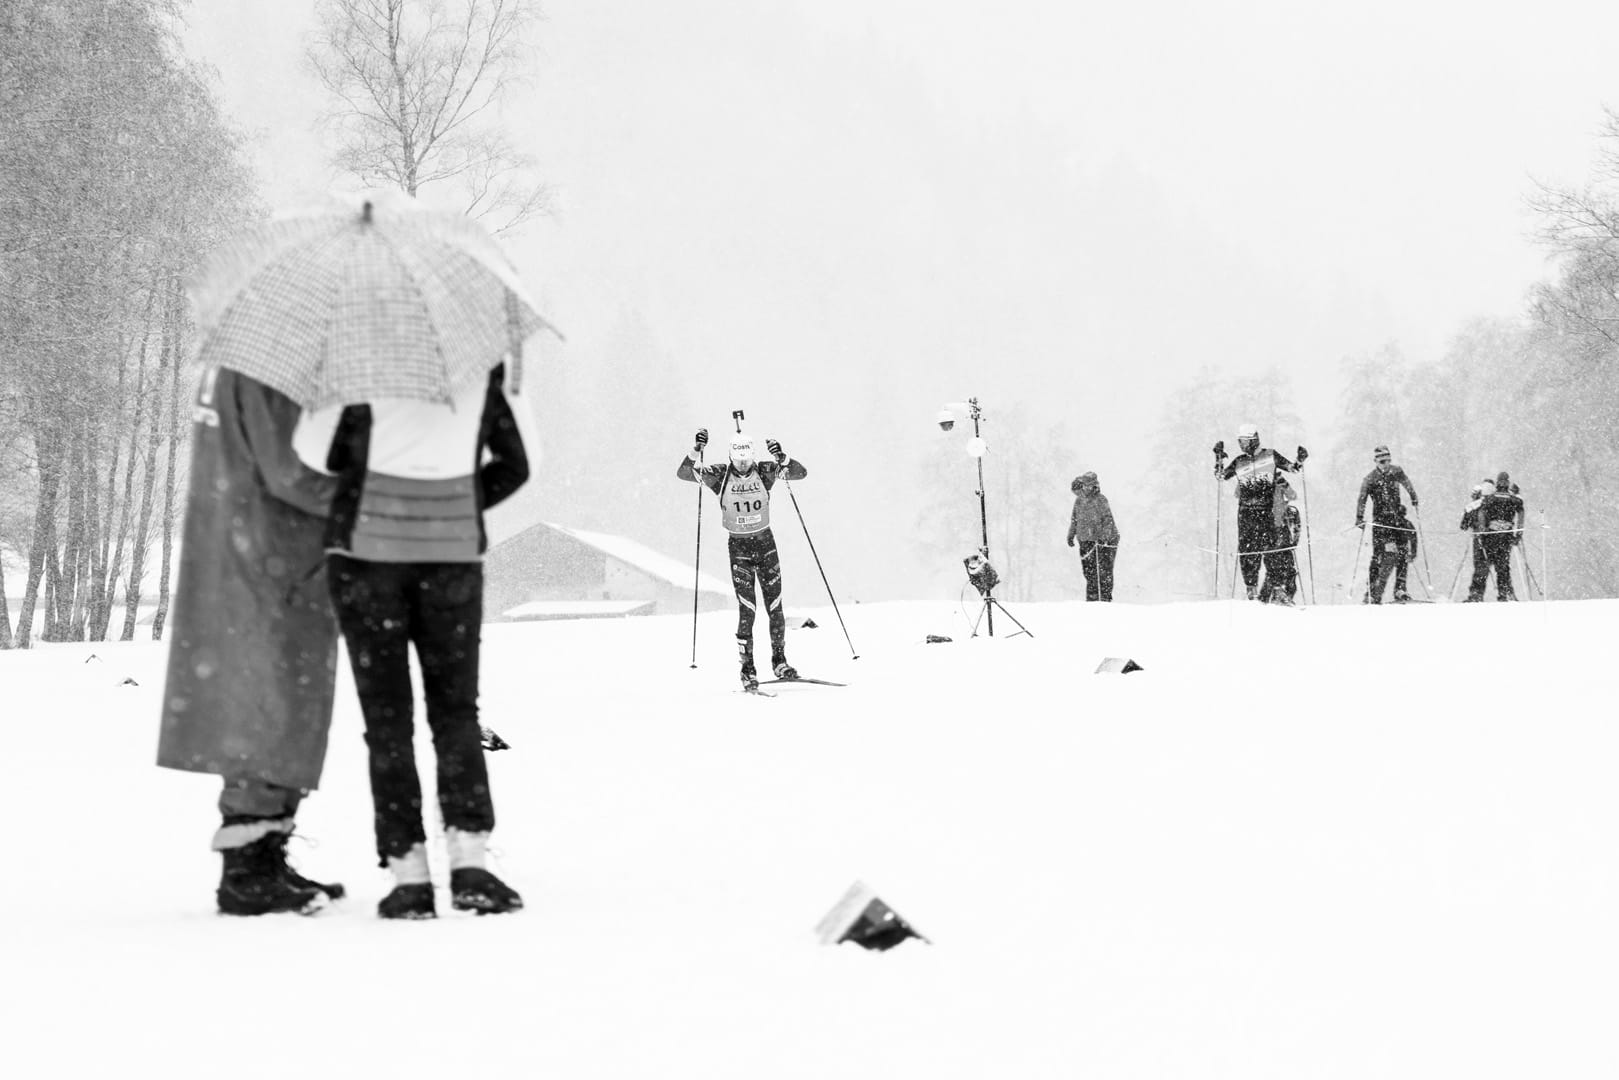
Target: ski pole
<point>1545,575</point>
<point>1354,567</point>
<point>697,563</point>
<point>1459,564</point>
<point>852,654</point>
<point>1219,460</point>
<point>1422,541</point>
<point>1527,573</point>
<point>1309,550</point>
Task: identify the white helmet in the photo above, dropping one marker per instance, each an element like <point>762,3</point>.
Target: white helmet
<point>1247,431</point>
<point>742,455</point>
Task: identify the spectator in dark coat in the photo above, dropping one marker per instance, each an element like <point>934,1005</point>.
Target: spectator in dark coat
<point>405,545</point>
<point>253,646</point>
<point>1091,527</point>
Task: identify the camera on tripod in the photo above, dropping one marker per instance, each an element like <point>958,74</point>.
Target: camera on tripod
<point>981,573</point>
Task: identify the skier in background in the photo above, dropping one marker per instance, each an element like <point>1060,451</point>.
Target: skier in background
<point>1497,521</point>
<point>743,486</point>
<point>1255,469</point>
<point>1382,486</point>
<point>1091,525</point>
<point>1281,584</point>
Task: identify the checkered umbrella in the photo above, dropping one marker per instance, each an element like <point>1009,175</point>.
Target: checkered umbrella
<point>385,301</point>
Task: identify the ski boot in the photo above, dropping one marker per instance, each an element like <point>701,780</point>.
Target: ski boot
<point>251,882</point>
<point>473,888</point>
<point>750,677</point>
<point>1253,592</point>
<point>784,671</point>
<point>278,852</point>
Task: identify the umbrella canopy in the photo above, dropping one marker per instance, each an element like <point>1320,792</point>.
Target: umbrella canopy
<point>379,300</point>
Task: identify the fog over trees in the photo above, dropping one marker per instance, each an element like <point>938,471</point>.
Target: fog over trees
<point>117,174</point>
<point>781,219</point>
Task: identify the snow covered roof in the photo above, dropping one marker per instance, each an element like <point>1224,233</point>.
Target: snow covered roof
<point>576,609</point>
<point>652,563</point>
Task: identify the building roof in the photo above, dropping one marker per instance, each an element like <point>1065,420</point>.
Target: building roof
<point>652,563</point>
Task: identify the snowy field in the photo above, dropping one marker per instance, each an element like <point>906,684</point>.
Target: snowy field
<point>1337,842</point>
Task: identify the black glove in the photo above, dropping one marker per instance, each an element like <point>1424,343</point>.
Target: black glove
<point>1360,524</point>
<point>775,451</point>
<point>1303,453</point>
<point>1070,541</point>
<point>702,439</point>
<point>1219,450</point>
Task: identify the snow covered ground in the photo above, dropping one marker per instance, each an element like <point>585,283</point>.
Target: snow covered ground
<point>1334,842</point>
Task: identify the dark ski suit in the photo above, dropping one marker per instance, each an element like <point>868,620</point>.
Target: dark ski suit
<point>1392,533</point>
<point>1256,496</point>
<point>1498,523</point>
<point>1282,568</point>
<point>745,512</point>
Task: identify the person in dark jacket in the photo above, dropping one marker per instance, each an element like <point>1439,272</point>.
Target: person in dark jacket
<point>743,485</point>
<point>1091,527</point>
<point>1497,522</point>
<point>253,647</point>
<point>1255,469</point>
<point>405,542</point>
<point>1389,536</point>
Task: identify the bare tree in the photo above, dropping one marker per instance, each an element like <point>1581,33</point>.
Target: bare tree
<point>417,86</point>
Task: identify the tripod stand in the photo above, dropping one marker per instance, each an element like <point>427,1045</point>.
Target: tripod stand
<point>987,610</point>
<point>979,570</point>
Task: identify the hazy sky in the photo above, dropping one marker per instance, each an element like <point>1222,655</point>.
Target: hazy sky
<point>840,213</point>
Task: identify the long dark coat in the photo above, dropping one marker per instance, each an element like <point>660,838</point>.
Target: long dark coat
<point>253,654</point>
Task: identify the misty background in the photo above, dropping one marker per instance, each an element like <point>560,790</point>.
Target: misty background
<point>1125,231</point>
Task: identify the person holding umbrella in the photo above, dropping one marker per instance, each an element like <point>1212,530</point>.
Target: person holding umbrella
<point>253,654</point>
<point>399,332</point>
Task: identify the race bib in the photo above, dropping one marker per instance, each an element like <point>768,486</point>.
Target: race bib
<point>745,504</point>
<point>1391,546</point>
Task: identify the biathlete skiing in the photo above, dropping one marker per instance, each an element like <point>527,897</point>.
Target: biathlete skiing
<point>743,485</point>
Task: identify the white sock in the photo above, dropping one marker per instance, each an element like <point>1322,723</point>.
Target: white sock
<point>411,867</point>
<point>466,848</point>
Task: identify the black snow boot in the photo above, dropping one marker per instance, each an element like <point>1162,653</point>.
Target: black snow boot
<point>784,671</point>
<point>408,902</point>
<point>252,883</point>
<point>473,888</point>
<point>278,850</point>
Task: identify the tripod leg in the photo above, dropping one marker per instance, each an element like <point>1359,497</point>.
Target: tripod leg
<point>1021,628</point>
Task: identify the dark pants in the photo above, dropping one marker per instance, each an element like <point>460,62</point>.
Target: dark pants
<point>1097,562</point>
<point>1492,551</point>
<point>383,609</point>
<point>754,558</point>
<point>1281,576</point>
<point>1389,551</point>
<point>1256,535</point>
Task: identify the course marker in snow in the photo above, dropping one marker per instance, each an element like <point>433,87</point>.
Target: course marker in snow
<point>1119,664</point>
<point>861,917</point>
